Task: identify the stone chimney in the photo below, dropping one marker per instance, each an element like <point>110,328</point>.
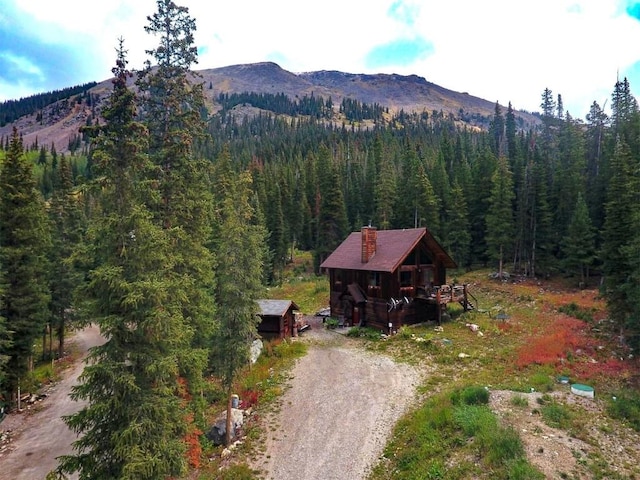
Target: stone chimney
<point>369,237</point>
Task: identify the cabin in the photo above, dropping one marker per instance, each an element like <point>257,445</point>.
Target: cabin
<point>389,278</point>
<point>277,318</point>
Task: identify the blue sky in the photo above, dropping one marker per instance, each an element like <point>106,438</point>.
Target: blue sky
<point>499,50</point>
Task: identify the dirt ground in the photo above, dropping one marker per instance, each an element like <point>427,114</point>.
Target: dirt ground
<point>334,419</point>
<point>337,413</point>
<point>37,436</point>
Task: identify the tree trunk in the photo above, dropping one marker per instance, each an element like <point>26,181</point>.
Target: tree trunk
<point>61,338</point>
<point>227,439</point>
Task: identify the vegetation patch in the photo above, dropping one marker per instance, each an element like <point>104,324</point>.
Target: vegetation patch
<point>454,435</point>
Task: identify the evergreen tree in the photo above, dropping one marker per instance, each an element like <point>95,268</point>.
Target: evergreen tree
<point>497,131</point>
<point>459,236</point>
<point>511,137</point>
<point>596,134</point>
<point>133,425</point>
<point>578,245</point>
<point>332,216</point>
<point>500,226</point>
<point>569,175</point>
<point>385,194</point>
<point>238,241</point>
<point>24,242</point>
<point>277,240</point>
<point>618,253</point>
<point>172,109</point>
<point>68,223</point>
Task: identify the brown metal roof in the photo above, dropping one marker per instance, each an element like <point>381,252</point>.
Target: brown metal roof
<point>392,248</point>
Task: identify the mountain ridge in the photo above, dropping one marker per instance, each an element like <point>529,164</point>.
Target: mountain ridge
<point>408,93</point>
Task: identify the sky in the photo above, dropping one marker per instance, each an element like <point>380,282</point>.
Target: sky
<point>498,50</point>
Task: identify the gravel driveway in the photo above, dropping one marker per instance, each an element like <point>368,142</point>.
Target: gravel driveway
<point>336,415</point>
<point>39,437</point>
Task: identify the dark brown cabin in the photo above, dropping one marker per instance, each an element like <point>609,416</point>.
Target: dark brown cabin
<point>389,278</point>
<point>277,318</point>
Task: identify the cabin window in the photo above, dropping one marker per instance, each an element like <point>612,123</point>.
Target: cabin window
<point>374,287</point>
<point>411,259</point>
<point>337,283</point>
<point>427,275</point>
<point>425,258</point>
<point>406,278</point>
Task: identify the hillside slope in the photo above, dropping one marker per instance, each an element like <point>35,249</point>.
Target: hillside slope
<point>396,92</point>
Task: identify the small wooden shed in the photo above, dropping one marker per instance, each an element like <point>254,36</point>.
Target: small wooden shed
<point>277,318</point>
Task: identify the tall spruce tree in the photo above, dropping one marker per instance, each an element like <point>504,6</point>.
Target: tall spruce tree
<point>578,245</point>
<point>459,236</point>
<point>618,253</point>
<point>238,241</point>
<point>25,239</point>
<point>134,423</point>
<point>68,229</point>
<point>500,226</point>
<point>332,216</point>
<point>172,108</point>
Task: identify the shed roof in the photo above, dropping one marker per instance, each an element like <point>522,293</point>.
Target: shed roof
<point>392,248</point>
<point>276,308</point>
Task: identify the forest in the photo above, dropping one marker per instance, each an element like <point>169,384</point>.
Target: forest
<point>164,223</point>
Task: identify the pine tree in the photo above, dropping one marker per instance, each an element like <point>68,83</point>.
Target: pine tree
<point>68,225</point>
<point>618,253</point>
<point>459,236</point>
<point>578,245</point>
<point>133,425</point>
<point>172,109</point>
<point>500,227</point>
<point>24,242</point>
<point>332,216</point>
<point>238,241</point>
<point>497,131</point>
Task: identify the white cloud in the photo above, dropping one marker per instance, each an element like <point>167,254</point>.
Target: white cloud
<point>495,49</point>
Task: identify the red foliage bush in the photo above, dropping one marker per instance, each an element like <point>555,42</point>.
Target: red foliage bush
<point>249,398</point>
<point>554,343</point>
<point>192,442</point>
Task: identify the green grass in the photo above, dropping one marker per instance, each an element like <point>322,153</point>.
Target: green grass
<point>626,407</point>
<point>454,435</point>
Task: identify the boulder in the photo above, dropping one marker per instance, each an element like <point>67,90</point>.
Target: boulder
<point>256,349</point>
<point>218,430</point>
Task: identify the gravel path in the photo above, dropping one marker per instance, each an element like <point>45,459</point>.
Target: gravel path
<point>37,438</point>
<point>337,413</point>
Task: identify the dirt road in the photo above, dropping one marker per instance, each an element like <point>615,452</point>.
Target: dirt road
<point>339,409</point>
<point>38,438</point>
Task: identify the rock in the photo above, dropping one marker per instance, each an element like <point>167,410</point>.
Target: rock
<point>256,349</point>
<point>218,430</point>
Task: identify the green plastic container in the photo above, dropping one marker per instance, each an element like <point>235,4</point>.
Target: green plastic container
<point>582,390</point>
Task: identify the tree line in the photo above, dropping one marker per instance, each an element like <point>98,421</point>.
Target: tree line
<point>158,246</point>
<point>558,198</point>
<point>165,230</point>
<point>12,110</point>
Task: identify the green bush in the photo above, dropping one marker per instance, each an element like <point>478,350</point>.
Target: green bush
<point>519,401</point>
<point>520,469</point>
<point>474,419</point>
<point>502,446</point>
<point>556,415</point>
<point>470,396</point>
<point>364,332</point>
<point>626,406</point>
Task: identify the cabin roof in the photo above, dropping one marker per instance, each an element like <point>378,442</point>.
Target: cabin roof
<point>275,308</point>
<point>392,248</point>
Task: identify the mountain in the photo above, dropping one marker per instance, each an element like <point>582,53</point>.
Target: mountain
<point>57,124</point>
